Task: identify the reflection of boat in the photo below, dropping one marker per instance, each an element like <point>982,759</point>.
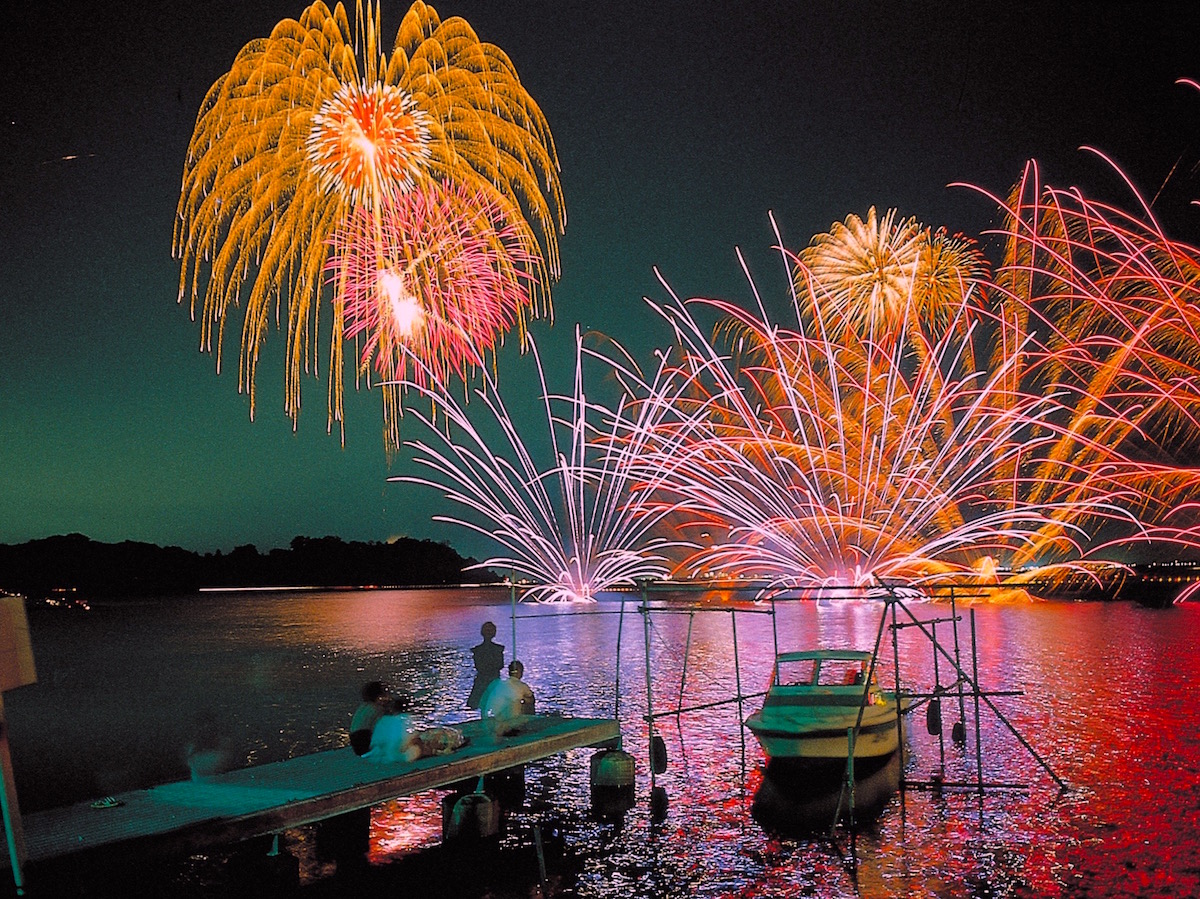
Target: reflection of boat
<point>793,803</point>
<point>814,698</point>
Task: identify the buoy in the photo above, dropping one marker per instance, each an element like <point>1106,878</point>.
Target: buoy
<point>958,733</point>
<point>658,754</point>
<point>933,717</point>
<point>658,805</point>
<point>475,816</point>
<point>612,778</point>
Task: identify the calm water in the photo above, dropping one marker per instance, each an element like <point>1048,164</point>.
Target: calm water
<point>1111,701</point>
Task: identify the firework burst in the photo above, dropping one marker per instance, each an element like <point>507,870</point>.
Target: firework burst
<point>369,142</point>
<point>573,527</point>
<point>822,463</point>
<point>316,124</point>
<point>825,455</point>
<point>865,270</point>
<point>441,279</point>
<point>884,277</point>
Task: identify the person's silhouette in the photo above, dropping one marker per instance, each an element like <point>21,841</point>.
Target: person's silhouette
<point>489,659</point>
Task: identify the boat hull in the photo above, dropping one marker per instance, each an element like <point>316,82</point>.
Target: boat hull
<point>807,736</point>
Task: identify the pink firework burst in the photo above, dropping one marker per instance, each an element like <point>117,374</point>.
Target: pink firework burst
<point>441,276</point>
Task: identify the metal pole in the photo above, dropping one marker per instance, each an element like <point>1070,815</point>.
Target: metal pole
<point>962,713</point>
<point>975,688</point>
<point>649,689</point>
<point>737,673</point>
<point>774,629</point>
<point>871,672</point>
<point>893,602</point>
<point>850,771</point>
<point>687,647</point>
<point>617,677</point>
<point>1003,719</point>
<point>937,681</point>
<point>512,595</point>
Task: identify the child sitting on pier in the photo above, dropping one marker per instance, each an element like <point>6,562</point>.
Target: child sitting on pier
<point>375,704</point>
<point>394,740</point>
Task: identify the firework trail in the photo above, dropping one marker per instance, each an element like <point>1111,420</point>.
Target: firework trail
<point>315,130</point>
<point>1111,304</point>
<point>962,423</point>
<point>573,527</point>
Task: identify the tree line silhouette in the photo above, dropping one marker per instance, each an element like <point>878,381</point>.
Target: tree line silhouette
<point>74,562</point>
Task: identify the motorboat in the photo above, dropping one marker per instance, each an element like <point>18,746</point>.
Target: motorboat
<point>815,698</point>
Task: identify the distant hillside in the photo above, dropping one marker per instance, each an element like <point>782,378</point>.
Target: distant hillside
<point>41,567</point>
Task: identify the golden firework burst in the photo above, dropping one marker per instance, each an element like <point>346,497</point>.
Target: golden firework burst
<point>316,121</point>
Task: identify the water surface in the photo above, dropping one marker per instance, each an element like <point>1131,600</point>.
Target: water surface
<point>1109,702</point>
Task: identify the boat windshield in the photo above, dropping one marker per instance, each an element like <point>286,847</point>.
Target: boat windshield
<point>820,672</point>
<point>800,673</point>
<point>841,672</point>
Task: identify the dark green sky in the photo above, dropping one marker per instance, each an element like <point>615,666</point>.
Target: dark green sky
<point>678,127</point>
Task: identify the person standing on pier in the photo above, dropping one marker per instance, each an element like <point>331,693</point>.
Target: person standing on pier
<point>489,659</point>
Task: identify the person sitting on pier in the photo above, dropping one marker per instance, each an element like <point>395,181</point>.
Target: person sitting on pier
<point>392,739</point>
<point>208,753</point>
<point>376,702</point>
<point>507,702</point>
<point>489,659</point>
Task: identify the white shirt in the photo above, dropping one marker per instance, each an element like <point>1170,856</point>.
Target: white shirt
<point>389,739</point>
<point>507,699</point>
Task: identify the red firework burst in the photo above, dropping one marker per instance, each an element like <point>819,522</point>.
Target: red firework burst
<point>441,276</point>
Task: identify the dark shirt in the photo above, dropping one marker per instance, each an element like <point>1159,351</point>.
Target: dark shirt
<point>489,659</point>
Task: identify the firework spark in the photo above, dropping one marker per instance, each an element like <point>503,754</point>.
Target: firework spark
<point>823,464</point>
<point>1111,304</point>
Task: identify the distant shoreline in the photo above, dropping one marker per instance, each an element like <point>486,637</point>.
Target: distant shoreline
<point>75,565</point>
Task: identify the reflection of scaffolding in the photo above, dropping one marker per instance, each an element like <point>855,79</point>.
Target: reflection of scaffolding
<point>963,686</point>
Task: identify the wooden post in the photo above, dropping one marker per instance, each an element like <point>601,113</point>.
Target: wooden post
<point>16,670</point>
<point>13,831</point>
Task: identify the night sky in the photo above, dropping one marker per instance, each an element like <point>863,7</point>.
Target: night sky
<point>679,126</point>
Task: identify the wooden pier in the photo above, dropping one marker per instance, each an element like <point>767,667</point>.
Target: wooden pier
<point>192,815</point>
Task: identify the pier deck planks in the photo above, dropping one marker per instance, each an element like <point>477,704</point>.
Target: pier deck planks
<point>190,815</point>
